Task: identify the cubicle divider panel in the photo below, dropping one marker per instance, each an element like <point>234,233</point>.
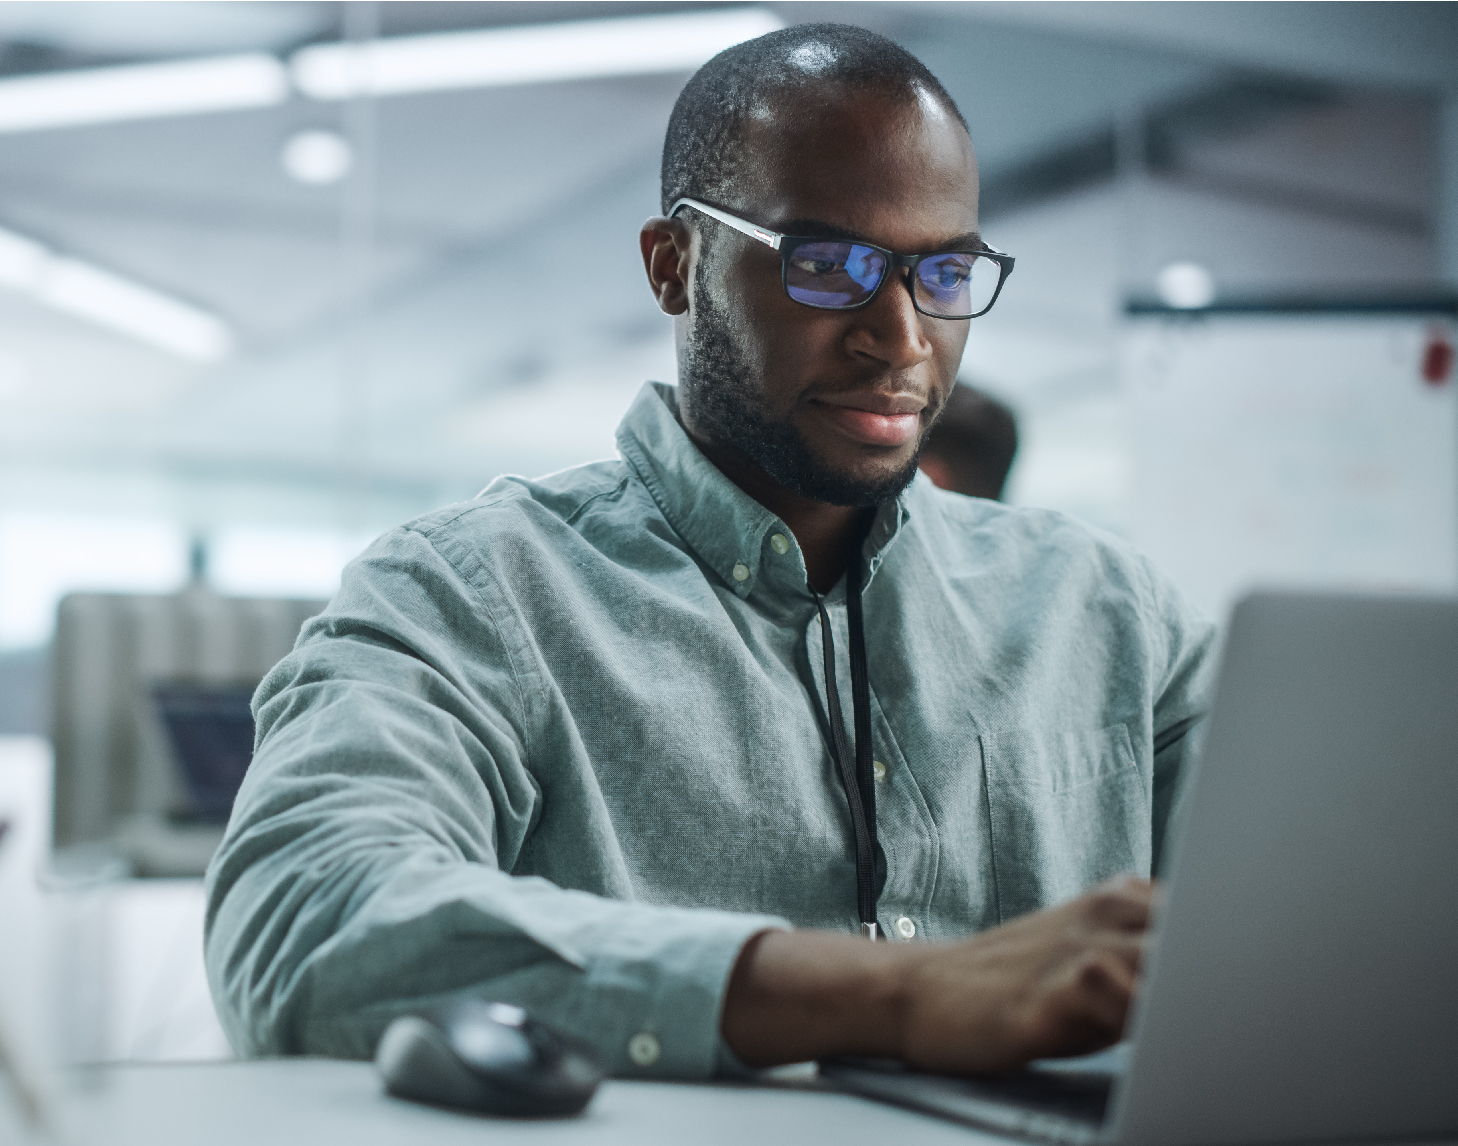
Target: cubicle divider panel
<point>118,780</point>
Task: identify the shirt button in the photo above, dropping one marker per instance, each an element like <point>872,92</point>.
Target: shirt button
<point>643,1048</point>
<point>779,544</point>
<point>904,928</point>
<point>741,572</point>
<point>878,770</point>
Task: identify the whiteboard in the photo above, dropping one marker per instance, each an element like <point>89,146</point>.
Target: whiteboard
<point>1291,450</point>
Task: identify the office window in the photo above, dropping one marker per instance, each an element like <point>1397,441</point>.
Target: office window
<point>44,557</point>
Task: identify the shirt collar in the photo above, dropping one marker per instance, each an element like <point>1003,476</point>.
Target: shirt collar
<point>728,529</point>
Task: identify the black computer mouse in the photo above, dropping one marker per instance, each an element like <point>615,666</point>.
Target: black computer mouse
<point>489,1057</point>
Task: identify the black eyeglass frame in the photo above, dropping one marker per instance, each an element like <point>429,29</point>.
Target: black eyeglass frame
<point>788,244</point>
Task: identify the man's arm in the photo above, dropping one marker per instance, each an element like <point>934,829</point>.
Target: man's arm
<point>1057,982</point>
<point>366,870</point>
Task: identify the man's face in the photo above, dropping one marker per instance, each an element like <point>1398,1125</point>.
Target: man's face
<point>831,404</point>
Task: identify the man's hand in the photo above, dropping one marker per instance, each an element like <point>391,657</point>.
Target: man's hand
<point>1057,982</point>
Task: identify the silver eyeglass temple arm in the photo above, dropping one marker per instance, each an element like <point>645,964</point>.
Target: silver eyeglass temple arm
<point>770,239</point>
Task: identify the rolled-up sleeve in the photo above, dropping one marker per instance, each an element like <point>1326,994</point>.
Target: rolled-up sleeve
<point>367,867</point>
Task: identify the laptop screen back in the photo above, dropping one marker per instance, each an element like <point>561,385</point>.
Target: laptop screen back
<point>1304,985</point>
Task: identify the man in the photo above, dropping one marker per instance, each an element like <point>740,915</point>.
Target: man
<point>971,448</point>
<point>593,744</point>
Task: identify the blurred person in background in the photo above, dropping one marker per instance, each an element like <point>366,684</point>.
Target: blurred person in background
<point>651,746</point>
<point>970,448</point>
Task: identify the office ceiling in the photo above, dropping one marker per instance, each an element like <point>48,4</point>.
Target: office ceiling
<point>396,346</point>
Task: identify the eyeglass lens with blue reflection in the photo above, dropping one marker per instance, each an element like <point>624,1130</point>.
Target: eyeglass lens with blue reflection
<point>837,274</point>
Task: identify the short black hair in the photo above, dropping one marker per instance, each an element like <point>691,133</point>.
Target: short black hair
<point>701,152</point>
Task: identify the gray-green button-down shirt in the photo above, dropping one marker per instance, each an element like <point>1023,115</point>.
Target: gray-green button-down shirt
<point>566,745</point>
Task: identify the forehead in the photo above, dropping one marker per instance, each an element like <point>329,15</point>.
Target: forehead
<point>899,171</point>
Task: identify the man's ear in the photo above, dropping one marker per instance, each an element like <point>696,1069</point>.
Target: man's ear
<point>667,246</point>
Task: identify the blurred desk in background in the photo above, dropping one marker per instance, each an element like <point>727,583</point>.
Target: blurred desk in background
<point>134,979</point>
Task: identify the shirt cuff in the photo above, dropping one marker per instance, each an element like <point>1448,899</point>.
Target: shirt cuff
<point>658,1000</point>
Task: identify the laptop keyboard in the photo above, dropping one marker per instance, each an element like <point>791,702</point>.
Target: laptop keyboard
<point>1062,1104</point>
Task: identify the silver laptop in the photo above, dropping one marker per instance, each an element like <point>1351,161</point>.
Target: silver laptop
<point>1306,983</point>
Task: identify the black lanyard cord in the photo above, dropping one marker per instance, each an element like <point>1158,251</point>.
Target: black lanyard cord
<point>855,767</point>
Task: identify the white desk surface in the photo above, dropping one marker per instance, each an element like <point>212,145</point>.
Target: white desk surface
<point>283,1102</point>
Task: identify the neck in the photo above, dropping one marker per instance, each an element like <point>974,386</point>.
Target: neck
<point>829,535</point>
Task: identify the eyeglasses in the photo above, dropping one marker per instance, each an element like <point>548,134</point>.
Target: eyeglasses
<point>838,274</point>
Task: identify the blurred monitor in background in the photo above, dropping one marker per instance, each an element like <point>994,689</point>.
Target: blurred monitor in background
<point>210,729</point>
<point>150,718</point>
<point>971,448</point>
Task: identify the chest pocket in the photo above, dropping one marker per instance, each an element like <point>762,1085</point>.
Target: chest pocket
<point>1066,810</point>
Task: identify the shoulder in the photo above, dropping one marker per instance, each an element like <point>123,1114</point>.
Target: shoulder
<point>444,565</point>
<point>1019,559</point>
<point>959,529</point>
<point>1039,554</point>
<point>518,508</point>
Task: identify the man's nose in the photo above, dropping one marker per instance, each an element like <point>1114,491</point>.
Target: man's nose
<point>890,329</point>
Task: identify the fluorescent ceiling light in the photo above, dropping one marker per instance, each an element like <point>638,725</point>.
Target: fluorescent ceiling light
<point>104,95</point>
<point>317,157</point>
<point>130,308</point>
<point>106,299</point>
<point>1187,286</point>
<point>536,53</point>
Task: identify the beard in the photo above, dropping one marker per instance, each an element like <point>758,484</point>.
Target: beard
<point>718,386</point>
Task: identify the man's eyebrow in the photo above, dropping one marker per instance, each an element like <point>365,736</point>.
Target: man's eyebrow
<point>818,228</point>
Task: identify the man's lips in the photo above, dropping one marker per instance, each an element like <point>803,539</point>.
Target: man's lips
<point>875,419</point>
